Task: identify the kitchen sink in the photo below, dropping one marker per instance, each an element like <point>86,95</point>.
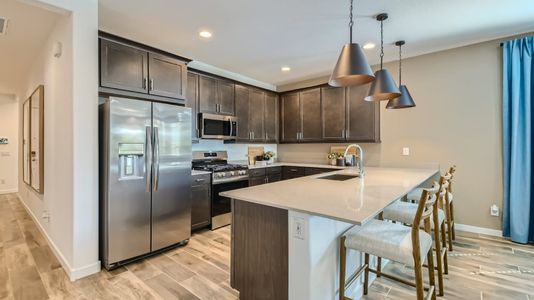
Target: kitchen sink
<point>338,177</point>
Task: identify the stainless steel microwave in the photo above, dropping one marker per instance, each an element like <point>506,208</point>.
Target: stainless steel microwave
<point>217,126</point>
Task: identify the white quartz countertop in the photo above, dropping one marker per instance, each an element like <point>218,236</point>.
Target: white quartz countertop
<point>356,200</point>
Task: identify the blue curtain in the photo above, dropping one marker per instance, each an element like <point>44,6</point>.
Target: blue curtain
<point>518,130</point>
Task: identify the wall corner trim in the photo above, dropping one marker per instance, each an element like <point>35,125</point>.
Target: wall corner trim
<point>74,274</point>
<point>480,230</point>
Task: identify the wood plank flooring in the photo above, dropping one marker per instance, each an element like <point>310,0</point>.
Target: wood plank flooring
<point>481,267</point>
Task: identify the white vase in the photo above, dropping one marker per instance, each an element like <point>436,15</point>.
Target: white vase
<point>333,162</point>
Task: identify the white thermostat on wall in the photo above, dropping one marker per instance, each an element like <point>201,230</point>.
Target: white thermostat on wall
<point>4,141</point>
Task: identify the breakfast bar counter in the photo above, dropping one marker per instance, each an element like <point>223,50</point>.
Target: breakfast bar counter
<point>285,234</point>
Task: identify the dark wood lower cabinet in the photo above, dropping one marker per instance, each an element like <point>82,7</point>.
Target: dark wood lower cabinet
<point>292,172</point>
<point>259,259</point>
<point>200,201</point>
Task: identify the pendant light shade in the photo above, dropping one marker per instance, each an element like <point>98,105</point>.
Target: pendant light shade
<point>384,87</point>
<point>352,67</point>
<point>405,100</point>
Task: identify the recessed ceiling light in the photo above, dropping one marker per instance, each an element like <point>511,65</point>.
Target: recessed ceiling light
<point>285,69</point>
<point>368,46</point>
<point>205,34</point>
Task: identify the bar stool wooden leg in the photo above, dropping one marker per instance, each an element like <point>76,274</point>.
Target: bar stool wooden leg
<point>444,243</point>
<point>430,262</point>
<point>342,267</point>
<point>453,230</point>
<point>449,224</point>
<point>366,276</point>
<point>438,253</point>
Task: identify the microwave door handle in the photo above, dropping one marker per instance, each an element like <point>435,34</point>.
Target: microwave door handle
<point>156,159</point>
<point>148,156</point>
<point>231,127</point>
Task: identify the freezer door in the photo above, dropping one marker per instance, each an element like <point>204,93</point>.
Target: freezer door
<point>126,204</point>
<point>171,184</point>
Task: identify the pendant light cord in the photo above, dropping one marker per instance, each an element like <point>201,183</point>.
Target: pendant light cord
<point>400,65</point>
<point>381,44</point>
<point>351,22</point>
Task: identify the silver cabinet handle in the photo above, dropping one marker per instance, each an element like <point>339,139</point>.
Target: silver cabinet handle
<point>156,158</point>
<point>252,134</point>
<point>145,83</point>
<point>148,156</point>
<point>298,136</point>
<point>199,180</point>
<point>151,87</point>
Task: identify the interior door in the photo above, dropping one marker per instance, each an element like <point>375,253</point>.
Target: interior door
<point>127,203</point>
<point>171,179</point>
<point>167,76</point>
<point>241,112</point>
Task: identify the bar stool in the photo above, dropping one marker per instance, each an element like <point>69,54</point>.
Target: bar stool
<point>404,212</point>
<point>447,205</point>
<point>395,242</point>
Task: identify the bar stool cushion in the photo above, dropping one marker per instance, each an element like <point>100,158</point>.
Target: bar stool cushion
<point>404,212</point>
<point>388,240</point>
<point>415,195</point>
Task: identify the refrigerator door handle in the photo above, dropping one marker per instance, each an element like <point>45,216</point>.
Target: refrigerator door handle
<point>156,158</point>
<point>148,156</point>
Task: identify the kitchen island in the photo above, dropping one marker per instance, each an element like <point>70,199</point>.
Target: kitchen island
<point>285,234</point>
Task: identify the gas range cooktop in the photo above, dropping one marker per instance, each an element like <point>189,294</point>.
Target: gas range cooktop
<point>217,163</point>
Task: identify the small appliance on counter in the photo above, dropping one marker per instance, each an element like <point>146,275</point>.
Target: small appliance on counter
<point>225,177</point>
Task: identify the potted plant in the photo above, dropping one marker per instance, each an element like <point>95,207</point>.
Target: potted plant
<point>269,157</point>
<point>332,157</point>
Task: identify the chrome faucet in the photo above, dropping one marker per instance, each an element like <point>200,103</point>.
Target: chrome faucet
<point>359,163</point>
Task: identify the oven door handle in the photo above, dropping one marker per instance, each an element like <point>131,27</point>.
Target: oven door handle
<point>232,179</point>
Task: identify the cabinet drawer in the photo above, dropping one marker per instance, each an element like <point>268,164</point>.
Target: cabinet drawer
<point>292,172</point>
<point>313,171</point>
<point>274,170</point>
<point>256,172</point>
<point>274,178</point>
<point>201,179</point>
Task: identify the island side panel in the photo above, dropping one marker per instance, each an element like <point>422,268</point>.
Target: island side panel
<point>259,256</point>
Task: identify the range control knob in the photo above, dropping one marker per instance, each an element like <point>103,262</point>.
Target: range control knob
<point>232,173</point>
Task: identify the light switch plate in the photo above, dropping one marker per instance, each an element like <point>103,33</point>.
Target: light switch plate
<point>405,151</point>
<point>299,228</point>
<point>494,210</point>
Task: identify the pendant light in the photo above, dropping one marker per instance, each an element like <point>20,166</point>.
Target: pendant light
<point>352,67</point>
<point>384,87</point>
<point>405,100</point>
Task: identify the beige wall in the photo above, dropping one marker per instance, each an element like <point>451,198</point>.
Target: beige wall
<point>457,120</point>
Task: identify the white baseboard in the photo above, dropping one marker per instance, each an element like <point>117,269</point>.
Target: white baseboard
<point>74,274</point>
<point>481,230</point>
<point>9,191</point>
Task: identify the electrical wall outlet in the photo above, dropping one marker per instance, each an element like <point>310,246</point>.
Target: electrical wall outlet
<point>299,228</point>
<point>46,216</point>
<point>405,151</point>
<point>494,210</point>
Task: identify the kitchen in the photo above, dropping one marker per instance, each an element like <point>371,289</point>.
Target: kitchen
<point>241,162</point>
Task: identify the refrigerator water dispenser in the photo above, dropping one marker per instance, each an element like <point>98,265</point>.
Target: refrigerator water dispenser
<point>131,161</point>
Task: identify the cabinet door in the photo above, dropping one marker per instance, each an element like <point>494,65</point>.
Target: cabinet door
<point>252,181</point>
<point>291,121</point>
<point>292,172</point>
<point>270,120</point>
<point>191,101</point>
<point>242,112</point>
<point>363,117</point>
<point>167,76</point>
<point>200,206</point>
<point>256,114</point>
<point>334,112</point>
<point>310,103</point>
<point>225,97</point>
<point>123,67</point>
<point>207,94</point>
<point>274,178</point>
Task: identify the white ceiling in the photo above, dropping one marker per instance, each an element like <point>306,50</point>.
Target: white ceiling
<point>28,28</point>
<point>256,37</point>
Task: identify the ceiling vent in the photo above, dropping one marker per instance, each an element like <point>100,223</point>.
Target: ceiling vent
<point>3,26</point>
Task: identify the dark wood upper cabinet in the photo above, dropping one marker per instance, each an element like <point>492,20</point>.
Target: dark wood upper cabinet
<point>242,112</point>
<point>310,103</point>
<point>191,101</point>
<point>291,118</point>
<point>271,117</point>
<point>363,117</point>
<point>333,104</point>
<point>225,97</point>
<point>167,76</point>
<point>207,93</point>
<point>123,67</point>
<point>256,114</point>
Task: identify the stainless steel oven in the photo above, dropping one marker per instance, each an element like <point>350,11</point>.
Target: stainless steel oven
<point>221,207</point>
<point>217,126</point>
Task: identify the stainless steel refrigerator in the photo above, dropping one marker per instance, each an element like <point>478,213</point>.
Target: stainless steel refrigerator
<point>145,178</point>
